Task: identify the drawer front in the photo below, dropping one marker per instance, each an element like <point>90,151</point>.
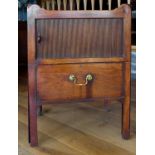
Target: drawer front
<point>53,81</point>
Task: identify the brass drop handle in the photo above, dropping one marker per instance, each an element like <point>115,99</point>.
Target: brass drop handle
<point>73,79</point>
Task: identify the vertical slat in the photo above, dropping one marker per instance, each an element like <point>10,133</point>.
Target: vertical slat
<point>71,4</point>
<point>50,24</point>
<point>79,25</point>
<point>129,1</point>
<point>67,35</point>
<point>105,32</point>
<point>88,37</point>
<point>78,4</point>
<point>101,38</point>
<point>92,4</point>
<point>113,38</point>
<point>59,4</point>
<point>55,45</point>
<point>48,5</point>
<point>116,47</point>
<point>41,29</point>
<point>118,2</point>
<point>44,32</point>
<point>54,35</point>
<point>53,4</point>
<point>64,36</point>
<point>94,28</point>
<point>43,4</point>
<point>69,38</point>
<point>46,37</point>
<point>64,4</point>
<point>85,4</point>
<point>74,38</point>
<point>60,37</point>
<point>83,35</point>
<point>101,3</point>
<point>109,4</point>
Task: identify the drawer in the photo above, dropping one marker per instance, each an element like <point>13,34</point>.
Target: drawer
<point>53,82</point>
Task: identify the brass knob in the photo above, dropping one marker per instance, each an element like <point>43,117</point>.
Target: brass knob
<point>89,77</point>
<point>73,79</point>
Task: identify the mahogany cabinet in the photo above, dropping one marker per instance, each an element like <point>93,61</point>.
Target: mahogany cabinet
<point>78,56</point>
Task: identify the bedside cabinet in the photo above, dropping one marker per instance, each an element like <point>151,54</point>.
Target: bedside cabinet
<point>78,56</point>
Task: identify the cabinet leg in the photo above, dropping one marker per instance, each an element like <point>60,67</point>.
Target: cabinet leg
<point>126,103</point>
<point>126,119</point>
<point>28,123</point>
<point>32,106</point>
<point>33,137</point>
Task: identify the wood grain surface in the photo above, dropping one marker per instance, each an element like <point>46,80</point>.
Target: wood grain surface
<point>84,34</point>
<point>76,129</point>
<point>80,38</point>
<point>53,81</point>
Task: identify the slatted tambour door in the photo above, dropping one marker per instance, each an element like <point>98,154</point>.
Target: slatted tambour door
<point>79,38</point>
